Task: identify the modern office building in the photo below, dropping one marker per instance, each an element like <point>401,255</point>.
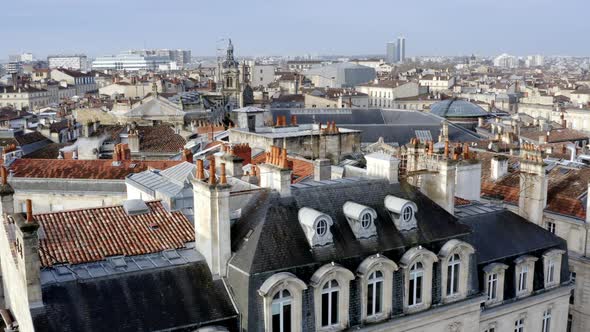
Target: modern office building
<point>391,52</point>
<point>401,49</point>
<point>130,61</point>
<point>74,61</point>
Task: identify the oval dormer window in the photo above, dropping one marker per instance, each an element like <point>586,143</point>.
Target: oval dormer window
<point>321,227</point>
<point>366,220</point>
<point>407,214</point>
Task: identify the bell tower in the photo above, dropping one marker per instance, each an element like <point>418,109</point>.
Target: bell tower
<point>230,78</point>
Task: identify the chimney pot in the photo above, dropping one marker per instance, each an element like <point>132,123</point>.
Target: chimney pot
<point>29,204</point>
<point>200,171</point>
<point>4,175</point>
<point>212,180</point>
<point>223,179</point>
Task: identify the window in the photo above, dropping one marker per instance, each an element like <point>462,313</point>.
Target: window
<point>550,271</point>
<point>519,325</point>
<point>570,322</point>
<point>453,274</point>
<point>492,286</point>
<point>551,227</point>
<point>415,286</point>
<point>573,277</point>
<point>322,227</point>
<point>547,321</point>
<point>407,214</point>
<point>490,329</point>
<point>281,311</point>
<point>366,220</point>
<point>375,294</point>
<point>330,303</point>
<point>522,278</point>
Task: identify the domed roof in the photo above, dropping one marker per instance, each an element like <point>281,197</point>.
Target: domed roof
<point>455,108</point>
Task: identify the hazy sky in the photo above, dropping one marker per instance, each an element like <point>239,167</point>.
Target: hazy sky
<point>296,27</point>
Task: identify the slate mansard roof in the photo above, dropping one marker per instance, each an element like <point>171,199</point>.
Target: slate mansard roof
<point>176,298</point>
<point>276,240</point>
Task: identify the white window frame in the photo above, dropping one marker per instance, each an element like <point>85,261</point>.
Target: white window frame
<point>499,270</point>
<point>427,259</point>
<point>464,252</point>
<point>366,268</point>
<point>281,302</point>
<point>416,274</point>
<point>330,287</point>
<point>376,281</point>
<point>552,267</point>
<point>277,283</point>
<point>546,327</point>
<point>319,279</point>
<point>455,269</point>
<point>492,283</point>
<point>524,274</point>
<point>519,325</point>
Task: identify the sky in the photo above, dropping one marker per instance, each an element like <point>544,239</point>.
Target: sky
<point>277,27</point>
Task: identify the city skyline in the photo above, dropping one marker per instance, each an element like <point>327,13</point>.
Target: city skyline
<point>442,30</point>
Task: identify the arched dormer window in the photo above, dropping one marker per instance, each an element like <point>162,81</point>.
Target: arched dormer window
<point>376,281</point>
<point>418,264</point>
<point>455,257</point>
<point>316,226</point>
<point>361,219</point>
<point>331,285</point>
<point>402,212</point>
<point>282,294</point>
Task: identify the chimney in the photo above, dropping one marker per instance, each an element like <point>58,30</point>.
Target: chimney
<point>275,173</point>
<point>212,220</point>
<point>533,185</point>
<point>499,167</point>
<point>322,169</point>
<point>187,155</point>
<point>468,178</point>
<point>133,139</point>
<point>440,187</point>
<point>383,166</point>
<point>480,121</point>
<point>27,252</point>
<point>6,194</point>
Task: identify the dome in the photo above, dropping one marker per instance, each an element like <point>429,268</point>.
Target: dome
<point>455,108</point>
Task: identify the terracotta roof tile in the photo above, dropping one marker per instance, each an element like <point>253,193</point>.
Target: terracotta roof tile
<point>302,168</point>
<point>89,235</point>
<point>83,169</point>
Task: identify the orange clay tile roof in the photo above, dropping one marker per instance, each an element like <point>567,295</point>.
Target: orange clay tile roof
<point>302,169</point>
<point>461,201</point>
<point>84,169</point>
<point>565,187</point>
<point>90,235</point>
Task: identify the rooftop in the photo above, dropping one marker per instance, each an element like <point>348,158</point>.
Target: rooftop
<point>83,169</point>
<point>91,235</point>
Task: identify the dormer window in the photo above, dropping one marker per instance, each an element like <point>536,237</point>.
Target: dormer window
<point>316,226</point>
<point>407,214</point>
<point>366,220</point>
<point>321,227</point>
<point>402,212</point>
<point>525,266</point>
<point>361,219</point>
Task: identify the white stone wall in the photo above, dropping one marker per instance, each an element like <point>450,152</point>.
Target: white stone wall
<point>50,202</point>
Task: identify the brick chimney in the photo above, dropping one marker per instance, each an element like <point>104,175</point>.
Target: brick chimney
<point>212,218</point>
<point>275,172</point>
<point>187,155</point>
<point>27,252</point>
<point>533,184</point>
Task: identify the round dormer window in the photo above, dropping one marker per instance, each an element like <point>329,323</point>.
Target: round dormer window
<point>366,220</point>
<point>407,214</point>
<point>321,227</point>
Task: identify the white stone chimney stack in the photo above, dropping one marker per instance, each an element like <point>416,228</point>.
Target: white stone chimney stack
<point>383,166</point>
<point>212,218</point>
<point>499,167</point>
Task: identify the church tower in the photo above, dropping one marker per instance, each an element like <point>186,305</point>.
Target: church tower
<point>230,79</point>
